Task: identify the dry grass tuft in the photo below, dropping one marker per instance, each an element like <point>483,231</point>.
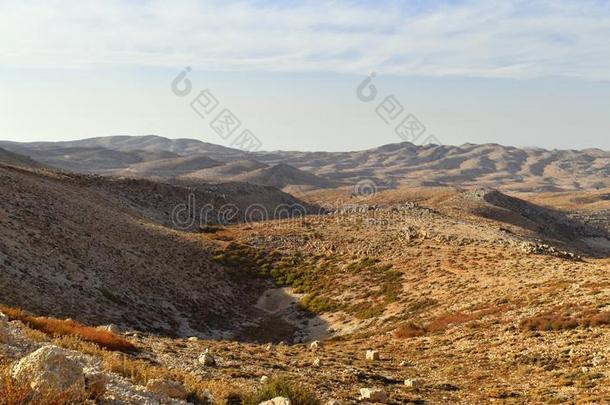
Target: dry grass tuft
<point>409,330</point>
<point>566,317</point>
<point>59,327</point>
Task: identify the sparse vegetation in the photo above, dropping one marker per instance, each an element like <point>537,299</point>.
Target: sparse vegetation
<point>568,316</point>
<point>282,387</point>
<point>59,327</point>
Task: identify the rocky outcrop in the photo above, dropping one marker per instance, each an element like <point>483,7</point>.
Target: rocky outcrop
<point>49,370</point>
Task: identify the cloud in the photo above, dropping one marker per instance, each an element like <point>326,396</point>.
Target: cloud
<point>476,38</point>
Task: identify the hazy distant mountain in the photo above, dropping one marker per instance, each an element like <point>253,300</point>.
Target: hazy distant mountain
<point>387,166</point>
<point>170,168</point>
<point>17,159</point>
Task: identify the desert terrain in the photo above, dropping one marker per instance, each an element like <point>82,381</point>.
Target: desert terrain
<point>404,274</point>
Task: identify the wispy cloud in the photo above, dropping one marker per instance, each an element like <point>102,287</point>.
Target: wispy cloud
<point>478,38</point>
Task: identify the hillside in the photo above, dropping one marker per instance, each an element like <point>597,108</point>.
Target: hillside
<point>17,159</point>
<point>103,251</point>
<point>388,166</point>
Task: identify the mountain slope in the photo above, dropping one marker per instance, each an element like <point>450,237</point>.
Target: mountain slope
<point>393,165</point>
<point>95,250</point>
<point>17,159</point>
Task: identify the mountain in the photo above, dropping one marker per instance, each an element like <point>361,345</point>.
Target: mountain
<point>282,175</point>
<point>17,159</point>
<point>250,171</point>
<point>170,168</point>
<point>388,166</point>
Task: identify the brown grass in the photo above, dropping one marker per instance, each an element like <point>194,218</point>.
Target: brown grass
<point>59,327</point>
<point>409,330</point>
<point>566,317</point>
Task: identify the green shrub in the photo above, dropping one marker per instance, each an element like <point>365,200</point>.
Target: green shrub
<point>282,387</point>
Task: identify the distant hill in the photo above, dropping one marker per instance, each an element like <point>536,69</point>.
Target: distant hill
<point>388,166</point>
<point>17,159</point>
<point>170,168</point>
<point>283,175</point>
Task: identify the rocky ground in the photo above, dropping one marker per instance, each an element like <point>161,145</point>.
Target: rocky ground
<point>415,295</point>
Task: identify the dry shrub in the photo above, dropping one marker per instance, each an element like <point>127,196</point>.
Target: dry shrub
<point>282,387</point>
<point>409,330</point>
<point>59,327</point>
<point>568,316</point>
<point>141,371</point>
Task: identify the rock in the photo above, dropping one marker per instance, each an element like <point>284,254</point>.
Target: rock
<point>3,317</point>
<point>372,355</point>
<point>49,370</point>
<point>269,347</point>
<point>373,395</point>
<point>168,388</point>
<point>112,328</point>
<point>277,401</point>
<point>403,363</point>
<point>264,379</point>
<point>4,335</point>
<point>207,359</point>
<point>414,382</point>
<point>95,384</point>
<point>193,339</point>
<point>315,345</point>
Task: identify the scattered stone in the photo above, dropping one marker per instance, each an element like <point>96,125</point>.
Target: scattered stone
<point>4,336</point>
<point>112,328</point>
<point>95,384</point>
<point>168,388</point>
<point>414,382</point>
<point>372,355</point>
<point>315,345</point>
<point>373,395</point>
<point>264,379</point>
<point>277,401</point>
<point>49,370</point>
<point>207,359</point>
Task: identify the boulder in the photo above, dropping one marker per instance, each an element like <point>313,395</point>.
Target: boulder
<point>49,370</point>
<point>4,335</point>
<point>264,379</point>
<point>373,395</point>
<point>95,384</point>
<point>112,328</point>
<point>372,355</point>
<point>207,359</point>
<point>277,401</point>
<point>168,388</point>
<point>414,382</point>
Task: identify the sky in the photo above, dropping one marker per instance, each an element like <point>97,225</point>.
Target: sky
<point>521,73</point>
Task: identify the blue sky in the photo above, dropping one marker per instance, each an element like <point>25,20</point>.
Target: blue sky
<point>524,73</point>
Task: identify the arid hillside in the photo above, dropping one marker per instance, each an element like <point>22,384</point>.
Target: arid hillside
<point>433,280</point>
<point>387,167</point>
